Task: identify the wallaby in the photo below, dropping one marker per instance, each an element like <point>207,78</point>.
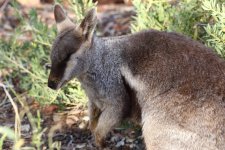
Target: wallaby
<point>173,86</point>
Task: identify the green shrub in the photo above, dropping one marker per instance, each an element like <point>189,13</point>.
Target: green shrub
<point>203,20</point>
<point>215,30</point>
<point>27,60</point>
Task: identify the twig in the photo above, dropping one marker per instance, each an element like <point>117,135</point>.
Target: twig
<point>23,68</point>
<point>17,118</point>
<point>3,4</point>
<point>52,130</point>
<point>4,101</point>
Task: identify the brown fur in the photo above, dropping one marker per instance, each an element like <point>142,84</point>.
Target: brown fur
<point>173,86</point>
<point>184,91</point>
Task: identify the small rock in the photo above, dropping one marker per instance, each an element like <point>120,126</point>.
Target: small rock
<point>121,143</point>
<point>81,145</point>
<point>83,125</point>
<point>25,128</point>
<point>86,118</point>
<point>115,138</point>
<point>129,140</point>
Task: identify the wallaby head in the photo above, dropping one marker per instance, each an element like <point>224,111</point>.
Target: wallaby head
<point>68,56</point>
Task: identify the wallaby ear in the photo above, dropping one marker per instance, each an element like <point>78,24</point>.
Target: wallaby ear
<point>62,20</point>
<point>88,24</point>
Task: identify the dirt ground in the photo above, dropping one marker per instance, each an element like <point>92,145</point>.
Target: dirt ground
<point>69,127</point>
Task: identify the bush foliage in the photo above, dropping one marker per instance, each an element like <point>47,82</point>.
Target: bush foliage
<point>27,60</point>
<point>203,20</point>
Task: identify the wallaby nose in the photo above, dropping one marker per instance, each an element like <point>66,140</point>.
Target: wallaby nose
<point>52,85</point>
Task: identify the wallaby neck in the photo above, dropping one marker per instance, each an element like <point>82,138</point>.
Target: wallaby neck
<point>108,43</point>
<point>104,57</point>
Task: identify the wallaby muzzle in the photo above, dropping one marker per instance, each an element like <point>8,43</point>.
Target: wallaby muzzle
<point>52,84</point>
<point>53,81</point>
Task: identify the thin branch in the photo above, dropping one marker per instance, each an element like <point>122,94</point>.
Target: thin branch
<point>17,118</point>
<point>4,101</point>
<point>3,4</point>
<point>24,69</point>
